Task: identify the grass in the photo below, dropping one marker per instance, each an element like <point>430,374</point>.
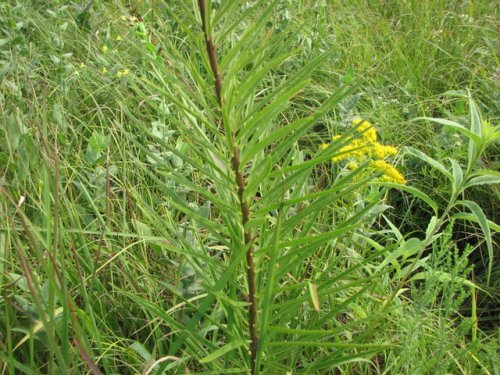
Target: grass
<point>120,235</point>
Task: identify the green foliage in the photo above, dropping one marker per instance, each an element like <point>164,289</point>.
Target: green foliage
<point>122,244</point>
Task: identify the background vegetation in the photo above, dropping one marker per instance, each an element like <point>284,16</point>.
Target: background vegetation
<point>120,233</point>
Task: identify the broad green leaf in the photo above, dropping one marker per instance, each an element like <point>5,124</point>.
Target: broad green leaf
<point>140,349</point>
<point>470,217</point>
<point>475,119</point>
<point>39,325</point>
<point>454,125</point>
<point>458,175</point>
<point>431,226</point>
<point>13,132</point>
<point>483,177</point>
<point>477,128</point>
<point>433,163</point>
<point>313,291</point>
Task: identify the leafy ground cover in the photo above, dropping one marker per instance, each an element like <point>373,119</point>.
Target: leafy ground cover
<point>339,158</point>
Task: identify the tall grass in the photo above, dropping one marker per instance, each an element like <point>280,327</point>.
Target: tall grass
<point>136,187</point>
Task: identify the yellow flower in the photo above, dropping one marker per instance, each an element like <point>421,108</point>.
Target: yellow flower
<point>104,70</point>
<point>366,129</point>
<point>105,48</point>
<point>380,151</point>
<point>389,173</point>
<point>356,149</point>
<point>366,148</point>
<point>82,65</point>
<point>118,38</point>
<point>352,165</point>
<point>324,146</point>
<point>121,73</point>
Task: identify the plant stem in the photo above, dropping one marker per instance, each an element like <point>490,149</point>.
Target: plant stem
<point>245,210</point>
<point>211,52</point>
<point>251,277</point>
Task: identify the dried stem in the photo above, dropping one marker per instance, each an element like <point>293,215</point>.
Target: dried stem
<point>245,210</point>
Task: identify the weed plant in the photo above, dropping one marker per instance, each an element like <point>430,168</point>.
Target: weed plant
<point>166,205</point>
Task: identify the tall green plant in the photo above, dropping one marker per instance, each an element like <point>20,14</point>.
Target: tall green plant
<point>255,181</point>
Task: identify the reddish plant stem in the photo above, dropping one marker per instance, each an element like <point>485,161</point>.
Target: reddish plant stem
<point>212,56</point>
<point>245,210</point>
<point>251,276</point>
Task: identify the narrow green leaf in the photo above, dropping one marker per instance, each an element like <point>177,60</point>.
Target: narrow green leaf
<point>317,239</point>
<point>226,7</point>
<point>223,350</point>
<point>250,32</point>
<point>190,326</point>
<point>268,299</point>
<point>255,180</point>
<point>283,91</point>
<point>483,223</point>
<point>331,345</point>
<point>262,119</point>
<point>412,190</point>
<point>260,144</point>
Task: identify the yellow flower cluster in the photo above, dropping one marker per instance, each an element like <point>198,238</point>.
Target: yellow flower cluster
<point>367,148</point>
<point>389,172</point>
<point>123,72</point>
